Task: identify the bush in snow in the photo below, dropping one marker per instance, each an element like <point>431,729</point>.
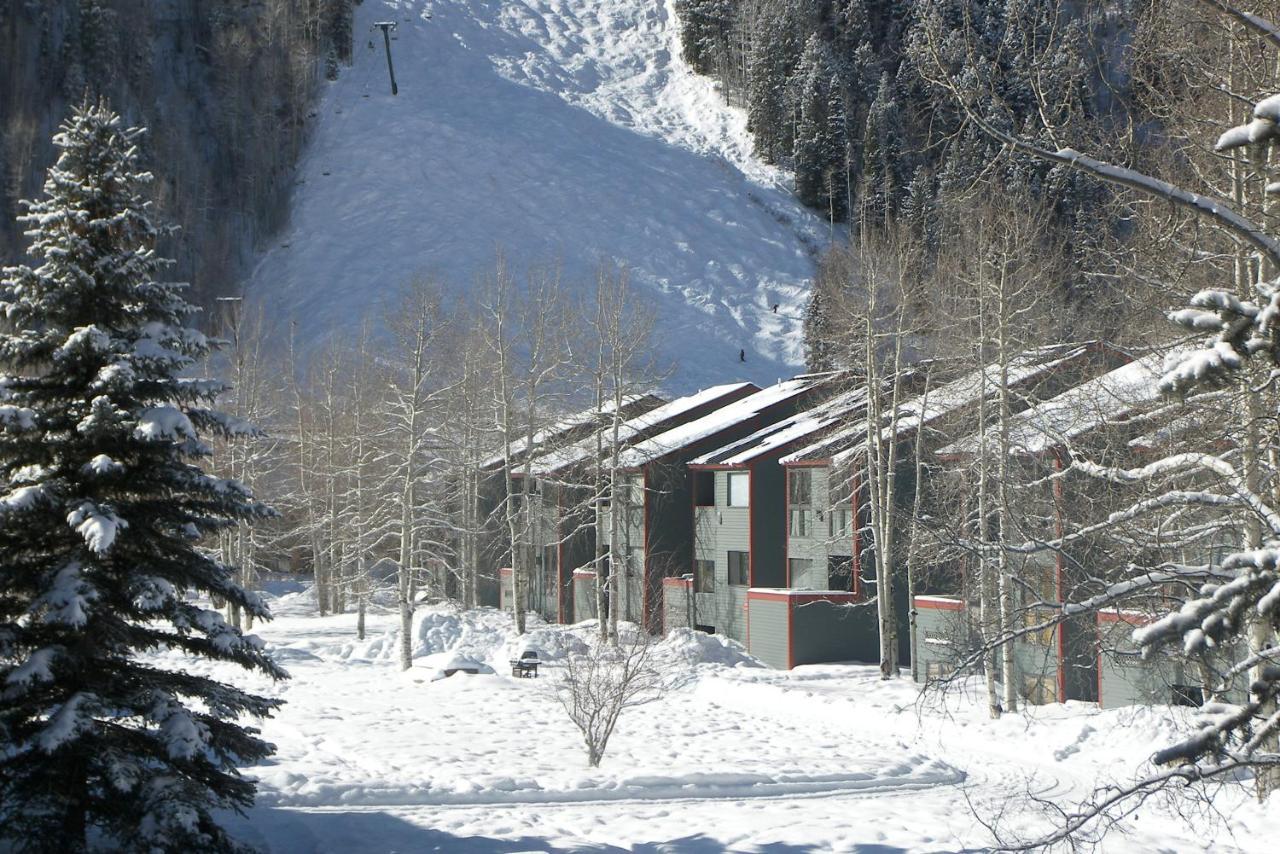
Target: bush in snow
<point>101,511</point>
<point>600,684</point>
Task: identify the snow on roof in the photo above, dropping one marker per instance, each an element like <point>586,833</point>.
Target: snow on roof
<point>712,423</point>
<point>800,426</point>
<point>565,425</point>
<point>1106,399</point>
<point>1028,366</point>
<point>584,449</point>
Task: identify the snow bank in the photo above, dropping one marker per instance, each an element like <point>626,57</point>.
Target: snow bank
<point>909,772</point>
<point>693,647</point>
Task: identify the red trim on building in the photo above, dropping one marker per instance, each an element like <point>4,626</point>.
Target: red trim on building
<point>786,524</point>
<point>751,525</point>
<point>644,564</point>
<point>938,603</point>
<point>1133,618</point>
<point>766,594</point>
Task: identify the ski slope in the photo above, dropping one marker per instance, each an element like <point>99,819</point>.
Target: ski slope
<point>557,132</point>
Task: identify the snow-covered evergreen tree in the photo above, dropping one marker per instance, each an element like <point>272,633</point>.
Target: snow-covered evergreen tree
<point>101,517</point>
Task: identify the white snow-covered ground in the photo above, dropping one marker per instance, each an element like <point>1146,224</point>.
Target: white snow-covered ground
<point>736,758</point>
<point>556,132</point>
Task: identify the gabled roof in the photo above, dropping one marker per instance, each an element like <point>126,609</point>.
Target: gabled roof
<point>1109,399</point>
<point>785,433</point>
<point>722,419</point>
<point>562,429</point>
<point>843,445</point>
<point>642,426</point>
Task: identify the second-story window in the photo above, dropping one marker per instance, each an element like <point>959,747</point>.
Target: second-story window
<point>704,488</point>
<point>800,500</point>
<point>841,523</point>
<point>739,483</point>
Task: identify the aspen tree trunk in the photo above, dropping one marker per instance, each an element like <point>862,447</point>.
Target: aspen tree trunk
<point>306,486</point>
<point>913,544</point>
<point>988,614</point>
<point>1008,663</point>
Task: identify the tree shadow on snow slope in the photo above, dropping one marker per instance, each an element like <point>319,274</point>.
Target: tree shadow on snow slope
<point>284,831</point>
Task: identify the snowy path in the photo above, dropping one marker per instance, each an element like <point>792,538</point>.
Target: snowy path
<point>557,132</point>
<point>824,758</point>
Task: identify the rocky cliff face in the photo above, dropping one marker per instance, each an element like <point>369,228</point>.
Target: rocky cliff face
<point>225,87</point>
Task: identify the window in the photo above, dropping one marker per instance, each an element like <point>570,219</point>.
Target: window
<point>937,670</point>
<point>704,576</point>
<point>798,570</point>
<point>841,522</point>
<point>800,487</point>
<point>1039,637</point>
<point>739,569</point>
<point>704,488</point>
<point>801,521</point>
<point>739,489</point>
<point>1039,690</point>
<point>839,572</point>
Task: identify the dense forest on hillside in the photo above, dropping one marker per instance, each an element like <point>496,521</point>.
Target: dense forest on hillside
<point>847,93</point>
<point>876,106</point>
<point>224,85</point>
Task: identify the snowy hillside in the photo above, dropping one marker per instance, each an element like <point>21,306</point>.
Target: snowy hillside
<point>552,130</point>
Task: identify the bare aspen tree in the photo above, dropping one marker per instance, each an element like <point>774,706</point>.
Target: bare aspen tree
<point>252,458</point>
<point>620,331</point>
<point>525,335</point>
<point>410,395</point>
<point>305,465</point>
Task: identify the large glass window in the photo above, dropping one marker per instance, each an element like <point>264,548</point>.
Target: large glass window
<point>801,521</point>
<point>839,572</point>
<point>739,569</point>
<point>841,523</point>
<point>801,487</point>
<point>739,488</point>
<point>704,576</point>
<point>799,567</point>
<point>704,488</point>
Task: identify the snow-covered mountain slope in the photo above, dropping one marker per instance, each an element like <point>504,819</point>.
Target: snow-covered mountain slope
<point>554,131</point>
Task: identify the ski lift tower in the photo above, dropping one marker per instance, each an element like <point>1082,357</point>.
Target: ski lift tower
<point>387,27</point>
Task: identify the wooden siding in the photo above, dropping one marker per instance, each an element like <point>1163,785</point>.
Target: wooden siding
<point>733,524</point>
<point>943,635</point>
<point>676,603</point>
<point>584,597</point>
<point>770,632</point>
<point>817,545</point>
<point>832,631</point>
